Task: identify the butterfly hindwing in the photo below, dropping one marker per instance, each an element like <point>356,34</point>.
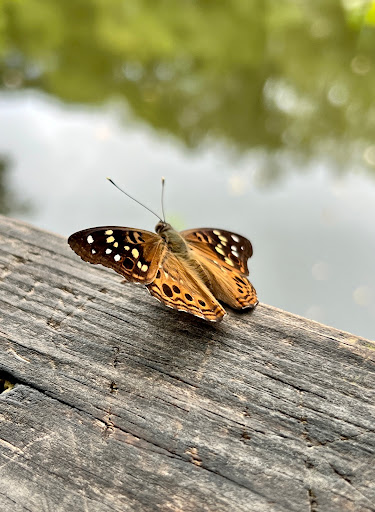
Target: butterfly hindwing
<point>228,249</point>
<point>231,287</point>
<point>179,287</point>
<point>133,253</point>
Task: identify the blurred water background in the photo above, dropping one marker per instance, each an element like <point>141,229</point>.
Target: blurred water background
<point>260,114</point>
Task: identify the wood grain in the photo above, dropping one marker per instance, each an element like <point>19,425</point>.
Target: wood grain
<point>111,402</point>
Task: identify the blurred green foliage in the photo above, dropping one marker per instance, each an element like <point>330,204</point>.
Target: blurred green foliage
<point>254,73</point>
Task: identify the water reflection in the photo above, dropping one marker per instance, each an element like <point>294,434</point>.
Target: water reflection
<point>252,74</point>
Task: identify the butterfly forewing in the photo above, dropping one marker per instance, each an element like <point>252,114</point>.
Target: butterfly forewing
<point>230,250</point>
<point>133,253</point>
<point>178,287</point>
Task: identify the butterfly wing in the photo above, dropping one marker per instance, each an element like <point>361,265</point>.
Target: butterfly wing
<point>229,249</point>
<point>133,253</point>
<point>224,256</point>
<point>231,287</point>
<point>178,286</point>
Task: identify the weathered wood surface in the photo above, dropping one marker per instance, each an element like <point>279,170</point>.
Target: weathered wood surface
<point>121,404</point>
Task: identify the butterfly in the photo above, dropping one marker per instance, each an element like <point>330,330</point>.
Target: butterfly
<point>190,271</point>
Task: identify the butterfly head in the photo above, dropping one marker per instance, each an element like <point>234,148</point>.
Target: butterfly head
<point>162,227</point>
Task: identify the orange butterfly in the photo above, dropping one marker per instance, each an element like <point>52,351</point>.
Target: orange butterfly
<point>189,270</point>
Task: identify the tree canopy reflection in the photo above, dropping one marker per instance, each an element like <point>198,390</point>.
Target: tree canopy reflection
<point>272,75</point>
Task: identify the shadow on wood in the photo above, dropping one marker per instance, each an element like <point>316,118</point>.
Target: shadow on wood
<point>111,402</point>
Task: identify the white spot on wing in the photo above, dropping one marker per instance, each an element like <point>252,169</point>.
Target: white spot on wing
<point>117,257</point>
<point>90,239</point>
<point>235,238</point>
<point>93,251</point>
<point>108,251</point>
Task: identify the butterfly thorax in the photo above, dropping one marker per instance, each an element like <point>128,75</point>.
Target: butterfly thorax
<point>173,239</point>
<point>177,244</point>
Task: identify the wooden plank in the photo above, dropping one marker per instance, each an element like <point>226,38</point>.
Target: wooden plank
<point>121,404</point>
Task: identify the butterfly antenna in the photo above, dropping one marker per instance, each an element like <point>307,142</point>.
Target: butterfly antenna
<point>162,196</point>
<point>131,197</point>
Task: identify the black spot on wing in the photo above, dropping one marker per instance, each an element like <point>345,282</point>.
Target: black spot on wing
<point>128,263</point>
<point>166,289</point>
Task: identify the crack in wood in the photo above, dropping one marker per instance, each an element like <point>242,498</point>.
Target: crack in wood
<point>349,482</point>
<point>313,504</point>
<point>116,359</point>
<point>7,381</point>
